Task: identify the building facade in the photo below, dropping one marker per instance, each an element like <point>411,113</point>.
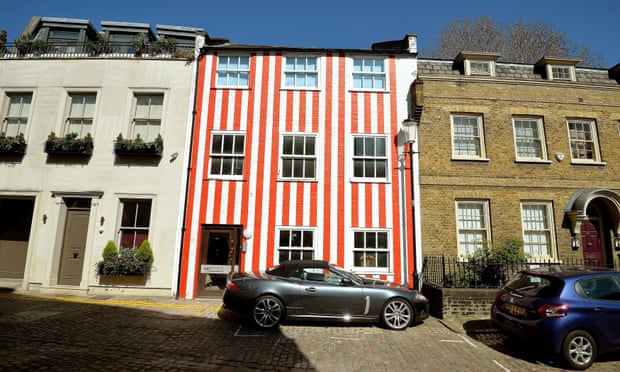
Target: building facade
<point>299,153</point>
<point>94,134</point>
<point>527,152</point>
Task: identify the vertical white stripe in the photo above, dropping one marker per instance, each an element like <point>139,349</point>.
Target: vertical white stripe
<point>292,204</point>
<point>306,210</point>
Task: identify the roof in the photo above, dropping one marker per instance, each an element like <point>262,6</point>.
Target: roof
<point>286,268</point>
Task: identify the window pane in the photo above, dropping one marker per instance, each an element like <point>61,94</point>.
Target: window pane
<point>287,145</point>
<point>216,146</point>
<point>239,144</point>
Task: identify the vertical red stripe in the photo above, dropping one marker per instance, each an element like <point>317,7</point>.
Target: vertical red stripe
<point>248,156</point>
<point>327,156</point>
<point>396,191</point>
<point>341,160</point>
<point>368,118</point>
<point>183,275</point>
<point>273,148</point>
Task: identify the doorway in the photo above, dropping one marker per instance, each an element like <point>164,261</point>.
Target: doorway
<point>15,224</point>
<point>74,241</point>
<point>219,255</point>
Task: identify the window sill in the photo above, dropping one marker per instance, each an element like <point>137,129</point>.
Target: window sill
<point>368,180</point>
<point>313,89</point>
<point>224,178</point>
<point>533,161</point>
<point>298,180</point>
<point>368,90</point>
<point>478,160</point>
<point>595,163</point>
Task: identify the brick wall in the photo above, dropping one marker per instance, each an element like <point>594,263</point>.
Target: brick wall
<point>459,302</point>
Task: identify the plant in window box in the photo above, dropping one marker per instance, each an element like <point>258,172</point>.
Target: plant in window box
<point>137,146</point>
<point>12,145</point>
<point>70,144</point>
<point>125,262</point>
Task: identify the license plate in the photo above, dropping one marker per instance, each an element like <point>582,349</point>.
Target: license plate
<point>515,309</point>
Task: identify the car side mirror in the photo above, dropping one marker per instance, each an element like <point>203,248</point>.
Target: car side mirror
<point>346,281</point>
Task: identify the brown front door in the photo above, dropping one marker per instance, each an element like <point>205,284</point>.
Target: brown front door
<point>218,252</point>
<point>591,243</point>
<point>73,246</point>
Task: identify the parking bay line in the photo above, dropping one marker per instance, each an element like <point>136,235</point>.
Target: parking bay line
<point>464,340</point>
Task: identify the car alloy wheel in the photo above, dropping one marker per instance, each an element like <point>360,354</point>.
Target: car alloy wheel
<point>267,312</point>
<point>579,350</point>
<point>397,314</point>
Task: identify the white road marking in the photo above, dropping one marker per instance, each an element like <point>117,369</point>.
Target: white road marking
<point>501,366</point>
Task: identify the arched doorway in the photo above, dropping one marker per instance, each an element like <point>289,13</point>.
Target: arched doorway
<point>593,215</point>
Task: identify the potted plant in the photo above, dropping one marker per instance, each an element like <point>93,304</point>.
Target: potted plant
<point>125,265</point>
<point>12,145</point>
<point>137,146</point>
<point>70,144</point>
<point>103,45</point>
<point>140,44</point>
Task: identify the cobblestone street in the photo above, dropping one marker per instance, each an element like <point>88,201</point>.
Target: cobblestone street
<point>115,333</point>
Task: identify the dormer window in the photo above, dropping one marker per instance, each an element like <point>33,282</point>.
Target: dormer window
<point>477,64</point>
<point>561,69</point>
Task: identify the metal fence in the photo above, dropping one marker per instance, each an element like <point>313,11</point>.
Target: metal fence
<point>42,49</point>
<point>455,272</point>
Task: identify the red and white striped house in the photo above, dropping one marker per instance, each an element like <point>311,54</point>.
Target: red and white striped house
<point>300,153</point>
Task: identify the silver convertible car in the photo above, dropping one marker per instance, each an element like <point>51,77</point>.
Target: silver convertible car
<point>316,290</point>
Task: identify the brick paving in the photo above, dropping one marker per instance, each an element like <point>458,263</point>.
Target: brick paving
<point>72,333</point>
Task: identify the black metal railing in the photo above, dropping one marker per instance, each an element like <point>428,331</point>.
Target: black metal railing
<point>42,49</point>
<point>456,272</point>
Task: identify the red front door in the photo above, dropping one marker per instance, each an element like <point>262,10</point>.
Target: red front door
<point>591,243</point>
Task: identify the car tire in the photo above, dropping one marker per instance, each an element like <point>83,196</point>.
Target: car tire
<point>267,312</point>
<point>579,350</point>
<point>397,314</point>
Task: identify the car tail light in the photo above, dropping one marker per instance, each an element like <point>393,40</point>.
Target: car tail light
<point>232,286</point>
<point>553,311</point>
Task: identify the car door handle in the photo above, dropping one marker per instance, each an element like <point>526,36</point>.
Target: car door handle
<point>310,289</point>
<point>600,309</point>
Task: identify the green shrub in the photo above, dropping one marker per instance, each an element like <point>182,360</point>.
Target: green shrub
<point>144,253</point>
<point>110,250</point>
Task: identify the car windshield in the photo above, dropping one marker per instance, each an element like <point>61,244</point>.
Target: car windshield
<point>347,274</point>
<point>535,285</point>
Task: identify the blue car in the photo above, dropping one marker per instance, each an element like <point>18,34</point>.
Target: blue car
<point>575,313</point>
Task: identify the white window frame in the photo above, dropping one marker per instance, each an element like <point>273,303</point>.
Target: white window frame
<point>367,262</point>
<point>21,117</point>
<point>526,135</point>
<point>367,71</point>
<point>364,157</point>
<point>555,72</point>
<point>235,71</point>
<point>298,73</point>
<point>468,228</point>
<point>303,230</point>
<point>152,120</point>
<point>579,142</point>
<point>471,67</point>
<point>294,158</point>
<point>535,230</point>
<point>234,156</point>
<point>477,139</point>
<point>123,202</point>
<point>80,113</point>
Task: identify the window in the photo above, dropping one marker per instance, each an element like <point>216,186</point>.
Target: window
<point>371,250</point>
<point>529,138</point>
<point>561,73</point>
<point>16,120</point>
<point>370,157</point>
<point>81,114</point>
<point>296,244</point>
<point>233,71</point>
<point>467,137</point>
<point>300,72</point>
<point>147,119</point>
<point>368,73</point>
<point>473,226</point>
<point>537,221</point>
<point>135,222</point>
<point>298,156</point>
<point>227,154</point>
<point>583,140</point>
<point>479,67</point>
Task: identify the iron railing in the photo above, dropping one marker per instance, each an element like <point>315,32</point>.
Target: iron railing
<point>42,49</point>
<point>456,272</point>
